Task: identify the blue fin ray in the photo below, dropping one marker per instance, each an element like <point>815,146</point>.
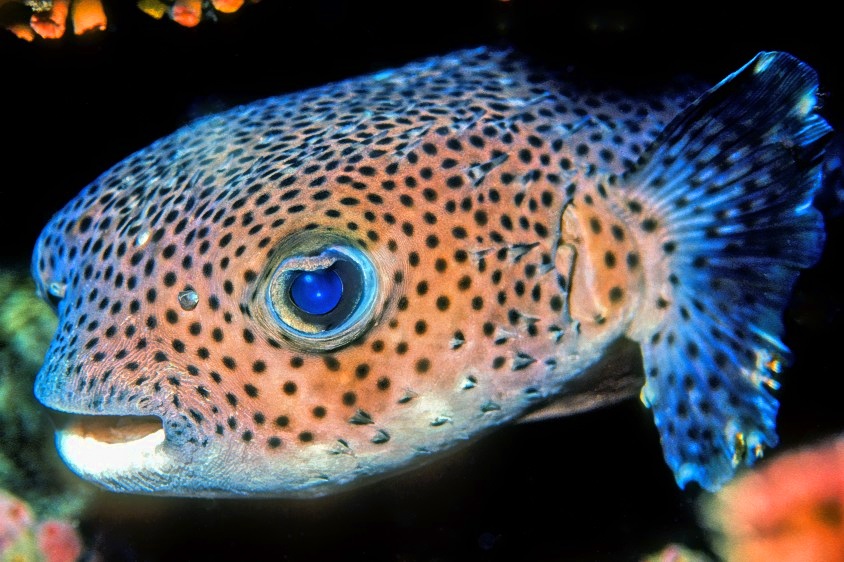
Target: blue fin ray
<point>726,190</point>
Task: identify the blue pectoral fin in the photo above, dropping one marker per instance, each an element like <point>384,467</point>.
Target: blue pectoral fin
<point>725,193</point>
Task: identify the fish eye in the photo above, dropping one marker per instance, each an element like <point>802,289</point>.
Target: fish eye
<point>316,292</point>
<point>325,298</point>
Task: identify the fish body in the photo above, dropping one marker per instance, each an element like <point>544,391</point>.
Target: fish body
<point>315,290</point>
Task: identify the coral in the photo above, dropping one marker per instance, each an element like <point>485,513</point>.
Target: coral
<point>26,322</point>
<point>15,518</point>
<point>677,553</point>
<point>29,19</point>
<point>29,465</point>
<point>58,541</point>
<point>23,539</point>
<point>790,510</point>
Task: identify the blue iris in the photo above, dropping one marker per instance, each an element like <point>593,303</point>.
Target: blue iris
<point>317,292</point>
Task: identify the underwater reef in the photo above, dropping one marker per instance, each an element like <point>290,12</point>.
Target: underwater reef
<point>25,539</point>
<point>677,553</point>
<point>29,465</point>
<point>49,19</point>
<point>789,510</point>
<point>39,500</point>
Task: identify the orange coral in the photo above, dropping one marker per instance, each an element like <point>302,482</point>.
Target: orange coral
<point>49,17</point>
<point>87,15</point>
<point>187,12</point>
<point>227,6</point>
<point>22,31</point>
<point>790,510</point>
<point>51,24</point>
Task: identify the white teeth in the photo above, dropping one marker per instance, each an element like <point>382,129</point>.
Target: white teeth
<point>101,460</point>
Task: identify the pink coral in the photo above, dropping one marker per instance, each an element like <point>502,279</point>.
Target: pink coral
<point>22,538</point>
<point>15,518</point>
<point>59,541</point>
<point>790,510</point>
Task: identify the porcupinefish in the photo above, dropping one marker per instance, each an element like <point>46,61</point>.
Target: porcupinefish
<point>315,290</point>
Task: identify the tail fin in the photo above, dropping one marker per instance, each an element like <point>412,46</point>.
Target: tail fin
<point>723,200</point>
<point>830,199</point>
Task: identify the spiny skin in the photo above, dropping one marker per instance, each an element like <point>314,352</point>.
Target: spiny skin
<point>477,189</point>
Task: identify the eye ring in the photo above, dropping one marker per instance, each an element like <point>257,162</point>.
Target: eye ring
<point>332,319</point>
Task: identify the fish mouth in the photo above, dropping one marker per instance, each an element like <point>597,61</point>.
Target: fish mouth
<point>111,430</point>
<point>109,448</point>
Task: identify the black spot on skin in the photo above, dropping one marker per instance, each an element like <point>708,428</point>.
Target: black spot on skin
<point>617,233</point>
<point>362,371</point>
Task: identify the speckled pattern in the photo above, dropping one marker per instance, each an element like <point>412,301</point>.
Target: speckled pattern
<point>484,195</point>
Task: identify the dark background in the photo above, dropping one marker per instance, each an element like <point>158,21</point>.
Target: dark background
<point>589,487</point>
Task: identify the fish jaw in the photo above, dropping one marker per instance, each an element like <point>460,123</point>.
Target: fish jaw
<point>145,455</point>
<point>129,446</point>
